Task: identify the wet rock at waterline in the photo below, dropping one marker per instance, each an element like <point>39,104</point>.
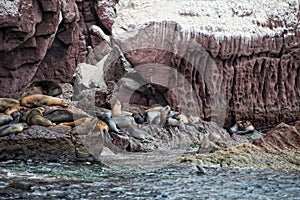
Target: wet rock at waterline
<point>278,149</point>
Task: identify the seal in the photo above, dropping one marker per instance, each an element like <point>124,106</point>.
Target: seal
<point>62,115</point>
<point>116,109</point>
<point>40,99</point>
<point>35,117</point>
<point>5,119</point>
<point>164,115</point>
<point>8,104</point>
<point>124,121</point>
<point>48,87</point>
<point>12,129</point>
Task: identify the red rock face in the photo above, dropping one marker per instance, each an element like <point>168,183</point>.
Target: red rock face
<point>282,137</point>
<point>47,39</point>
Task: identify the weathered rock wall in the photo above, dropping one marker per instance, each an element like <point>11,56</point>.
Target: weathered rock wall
<point>253,55</point>
<point>47,39</point>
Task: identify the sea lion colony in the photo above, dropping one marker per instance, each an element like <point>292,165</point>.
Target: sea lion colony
<point>45,110</point>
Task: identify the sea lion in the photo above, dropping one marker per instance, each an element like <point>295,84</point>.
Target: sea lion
<point>16,116</point>
<point>116,109</point>
<point>138,118</point>
<point>62,115</point>
<point>241,128</point>
<point>35,117</point>
<point>84,126</point>
<point>5,119</point>
<point>175,122</point>
<point>151,115</point>
<point>182,118</point>
<point>48,87</point>
<point>164,115</point>
<point>12,129</point>
<point>126,113</point>
<point>155,108</point>
<point>107,118</point>
<point>124,121</point>
<point>39,99</point>
<point>137,133</point>
<point>104,130</point>
<point>77,122</point>
<point>8,103</point>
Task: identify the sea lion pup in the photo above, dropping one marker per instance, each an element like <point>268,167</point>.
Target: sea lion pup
<point>5,119</point>
<point>62,115</point>
<point>116,109</point>
<point>40,99</point>
<point>48,87</point>
<point>107,118</point>
<point>12,129</point>
<point>8,104</point>
<point>35,117</point>
<point>138,118</point>
<point>124,121</point>
<point>164,115</point>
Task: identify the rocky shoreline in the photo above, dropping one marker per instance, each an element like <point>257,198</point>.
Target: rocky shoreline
<point>278,150</point>
<point>222,61</point>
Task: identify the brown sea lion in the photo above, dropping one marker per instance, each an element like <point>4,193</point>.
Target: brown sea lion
<point>155,108</point>
<point>7,103</point>
<point>35,117</point>
<point>77,122</point>
<point>39,99</point>
<point>62,115</point>
<point>116,109</point>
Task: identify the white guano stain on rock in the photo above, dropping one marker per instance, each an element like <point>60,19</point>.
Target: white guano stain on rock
<point>222,18</point>
<point>10,8</point>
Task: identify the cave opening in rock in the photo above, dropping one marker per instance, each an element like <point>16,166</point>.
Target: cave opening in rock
<point>153,94</point>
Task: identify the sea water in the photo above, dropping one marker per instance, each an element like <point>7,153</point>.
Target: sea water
<point>142,176</point>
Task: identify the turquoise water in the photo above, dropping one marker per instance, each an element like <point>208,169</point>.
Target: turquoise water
<point>139,177</point>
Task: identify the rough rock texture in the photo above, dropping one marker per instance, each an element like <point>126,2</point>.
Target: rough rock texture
<point>46,39</point>
<point>279,149</point>
<point>50,144</point>
<point>61,143</point>
<point>221,60</point>
<point>243,54</point>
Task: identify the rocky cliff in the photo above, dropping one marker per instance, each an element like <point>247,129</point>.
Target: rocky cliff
<point>223,60</point>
